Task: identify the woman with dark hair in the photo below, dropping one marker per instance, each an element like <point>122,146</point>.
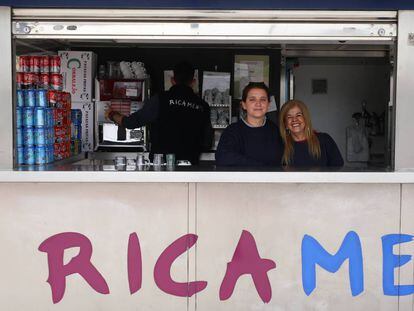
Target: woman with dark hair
<point>303,147</point>
<point>253,140</point>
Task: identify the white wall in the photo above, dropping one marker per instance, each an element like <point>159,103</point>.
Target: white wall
<point>349,83</point>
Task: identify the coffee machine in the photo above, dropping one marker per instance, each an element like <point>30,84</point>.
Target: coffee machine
<point>125,96</point>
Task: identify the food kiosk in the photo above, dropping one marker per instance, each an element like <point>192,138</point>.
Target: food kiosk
<point>85,236</point>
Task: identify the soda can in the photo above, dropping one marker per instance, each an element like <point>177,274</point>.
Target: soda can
<point>76,116</point>
<point>40,154</point>
<point>45,64</point>
<point>19,80</point>
<point>39,116</point>
<point>28,116</point>
<point>19,117</point>
<point>54,98</point>
<point>56,81</point>
<point>20,98</point>
<point>73,131</point>
<point>19,137</point>
<point>29,155</point>
<point>23,63</point>
<point>41,98</point>
<point>54,64</point>
<point>44,81</point>
<point>35,64</point>
<point>47,153</point>
<point>20,155</point>
<point>47,135</point>
<point>51,135</point>
<point>29,80</point>
<point>50,152</point>
<point>29,98</point>
<point>49,117</point>
<point>47,121</point>
<point>39,134</point>
<point>79,132</point>
<point>47,149</point>
<point>28,136</point>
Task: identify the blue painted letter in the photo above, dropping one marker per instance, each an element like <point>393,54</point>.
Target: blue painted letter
<point>313,253</point>
<point>391,261</point>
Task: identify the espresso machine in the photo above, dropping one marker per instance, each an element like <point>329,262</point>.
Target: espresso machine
<point>125,96</point>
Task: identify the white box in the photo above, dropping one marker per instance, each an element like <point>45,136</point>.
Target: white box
<point>87,124</point>
<point>78,74</point>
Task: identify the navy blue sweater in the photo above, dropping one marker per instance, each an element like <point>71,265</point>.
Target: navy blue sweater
<point>241,145</point>
<point>330,154</point>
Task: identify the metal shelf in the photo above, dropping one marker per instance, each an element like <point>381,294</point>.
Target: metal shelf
<point>219,105</point>
<point>217,127</point>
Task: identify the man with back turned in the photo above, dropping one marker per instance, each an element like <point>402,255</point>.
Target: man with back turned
<point>179,120</point>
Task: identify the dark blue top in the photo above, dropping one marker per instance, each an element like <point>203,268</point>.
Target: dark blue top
<point>242,145</point>
<point>179,121</point>
<point>330,154</point>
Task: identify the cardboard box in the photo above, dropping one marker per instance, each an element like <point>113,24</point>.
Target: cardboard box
<point>78,74</point>
<point>87,124</point>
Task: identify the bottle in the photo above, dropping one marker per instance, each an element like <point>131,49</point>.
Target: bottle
<point>101,72</point>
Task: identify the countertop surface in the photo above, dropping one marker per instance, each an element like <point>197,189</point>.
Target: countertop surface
<point>105,171</point>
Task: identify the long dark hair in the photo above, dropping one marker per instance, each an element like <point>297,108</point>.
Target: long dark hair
<point>314,146</point>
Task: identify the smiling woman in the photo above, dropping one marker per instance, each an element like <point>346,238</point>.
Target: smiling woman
<point>253,140</point>
<point>304,147</point>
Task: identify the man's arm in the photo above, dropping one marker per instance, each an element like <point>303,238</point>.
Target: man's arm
<point>146,115</point>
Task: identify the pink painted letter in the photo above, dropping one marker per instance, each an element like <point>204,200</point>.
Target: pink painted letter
<point>134,264</point>
<point>162,275</point>
<point>55,247</point>
<point>246,260</point>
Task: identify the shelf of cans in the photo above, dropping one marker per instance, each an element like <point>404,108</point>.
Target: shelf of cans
<point>38,72</point>
<point>44,131</point>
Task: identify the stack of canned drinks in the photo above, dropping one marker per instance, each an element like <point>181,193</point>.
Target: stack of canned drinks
<point>44,129</point>
<point>34,121</point>
<point>76,131</point>
<point>61,101</point>
<point>38,72</point>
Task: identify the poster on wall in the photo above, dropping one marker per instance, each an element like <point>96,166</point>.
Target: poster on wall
<point>216,87</point>
<point>169,74</point>
<point>249,68</point>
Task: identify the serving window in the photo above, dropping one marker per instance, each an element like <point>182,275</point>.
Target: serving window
<point>341,67</point>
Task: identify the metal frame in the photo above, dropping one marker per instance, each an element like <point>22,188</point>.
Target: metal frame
<point>209,32</point>
<point>203,15</point>
<point>375,28</point>
<point>404,108</point>
<point>7,116</point>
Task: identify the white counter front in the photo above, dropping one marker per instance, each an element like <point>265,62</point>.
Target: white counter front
<point>100,176</point>
<point>296,244</point>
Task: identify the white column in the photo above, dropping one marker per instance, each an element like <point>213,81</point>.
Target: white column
<point>404,130</point>
<point>6,106</point>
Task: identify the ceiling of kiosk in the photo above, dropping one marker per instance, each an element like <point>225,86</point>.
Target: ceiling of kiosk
<point>43,30</point>
<point>51,45</point>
